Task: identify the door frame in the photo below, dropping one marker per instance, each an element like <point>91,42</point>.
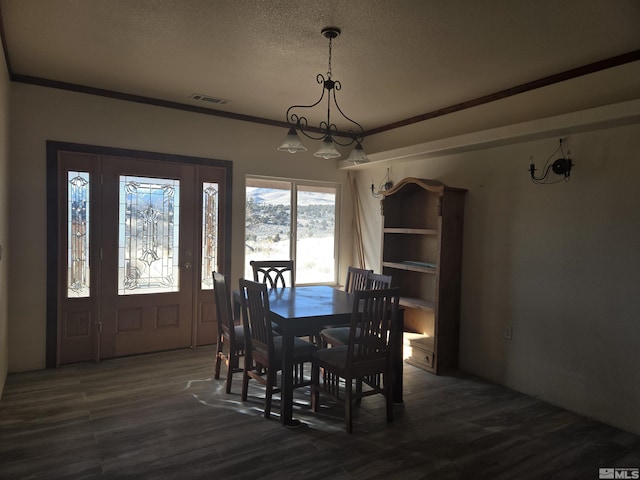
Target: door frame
<point>53,230</point>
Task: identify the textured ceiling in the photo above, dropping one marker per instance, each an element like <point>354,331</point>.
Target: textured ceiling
<point>396,59</point>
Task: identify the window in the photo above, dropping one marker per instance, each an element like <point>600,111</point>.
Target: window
<point>293,219</point>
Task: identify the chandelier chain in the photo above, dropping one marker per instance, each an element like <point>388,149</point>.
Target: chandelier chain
<point>330,44</point>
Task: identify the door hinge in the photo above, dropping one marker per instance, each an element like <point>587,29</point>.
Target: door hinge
<point>99,327</point>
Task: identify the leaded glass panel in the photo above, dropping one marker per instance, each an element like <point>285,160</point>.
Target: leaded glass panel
<point>78,271</point>
<point>209,233</point>
<point>148,235</point>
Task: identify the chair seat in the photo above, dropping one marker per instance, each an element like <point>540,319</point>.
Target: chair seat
<point>302,350</point>
<point>336,335</point>
<point>335,356</point>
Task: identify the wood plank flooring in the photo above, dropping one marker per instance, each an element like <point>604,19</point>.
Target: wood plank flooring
<point>164,416</point>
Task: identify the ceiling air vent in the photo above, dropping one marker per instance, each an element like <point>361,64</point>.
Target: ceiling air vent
<point>207,98</point>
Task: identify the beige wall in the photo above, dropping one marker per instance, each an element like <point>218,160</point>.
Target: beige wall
<point>556,263</point>
<point>40,114</point>
<point>4,219</point>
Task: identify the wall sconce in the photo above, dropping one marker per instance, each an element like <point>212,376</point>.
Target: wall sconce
<point>561,166</point>
<point>384,185</point>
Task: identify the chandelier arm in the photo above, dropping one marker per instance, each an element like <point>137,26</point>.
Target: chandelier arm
<point>299,121</point>
<point>301,125</point>
<point>353,136</point>
<point>357,136</point>
<point>329,128</point>
<point>311,136</point>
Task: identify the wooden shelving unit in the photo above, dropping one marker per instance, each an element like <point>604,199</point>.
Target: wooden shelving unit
<point>422,250</point>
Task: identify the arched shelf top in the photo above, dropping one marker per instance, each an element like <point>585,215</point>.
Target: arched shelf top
<point>426,184</point>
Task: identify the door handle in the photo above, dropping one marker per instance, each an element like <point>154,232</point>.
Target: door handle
<point>187,266</point>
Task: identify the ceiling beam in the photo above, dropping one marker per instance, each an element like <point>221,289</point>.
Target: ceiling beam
<point>525,87</point>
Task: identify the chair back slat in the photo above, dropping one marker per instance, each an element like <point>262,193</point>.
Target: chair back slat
<point>255,315</point>
<point>273,273</point>
<point>378,281</point>
<point>357,279</point>
<point>223,306</point>
<point>372,325</point>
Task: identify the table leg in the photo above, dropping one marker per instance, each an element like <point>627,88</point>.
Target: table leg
<point>286,409</point>
<point>397,360</point>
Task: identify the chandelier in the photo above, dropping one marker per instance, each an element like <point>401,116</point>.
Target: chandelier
<point>327,131</point>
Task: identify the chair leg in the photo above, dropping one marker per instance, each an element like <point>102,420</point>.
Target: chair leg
<point>218,359</point>
<point>315,387</point>
<point>232,365</point>
<point>389,396</point>
<point>271,382</point>
<point>348,407</point>
<point>245,378</point>
<point>358,390</point>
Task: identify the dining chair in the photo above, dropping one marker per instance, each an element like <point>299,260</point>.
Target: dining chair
<point>339,335</point>
<point>273,272</point>
<point>229,334</point>
<point>357,279</point>
<point>263,355</point>
<point>378,281</point>
<point>365,359</point>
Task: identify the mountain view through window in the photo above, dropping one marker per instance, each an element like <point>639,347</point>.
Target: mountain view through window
<point>288,219</point>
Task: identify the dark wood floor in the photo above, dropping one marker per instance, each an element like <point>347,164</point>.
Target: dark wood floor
<point>163,416</point>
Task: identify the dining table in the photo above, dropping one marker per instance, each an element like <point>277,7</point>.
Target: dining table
<point>305,310</point>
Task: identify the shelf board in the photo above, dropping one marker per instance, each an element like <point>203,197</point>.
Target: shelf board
<point>412,231</point>
<point>409,266</point>
<point>420,340</point>
<point>418,303</point>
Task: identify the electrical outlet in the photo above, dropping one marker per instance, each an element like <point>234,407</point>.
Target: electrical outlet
<point>508,333</point>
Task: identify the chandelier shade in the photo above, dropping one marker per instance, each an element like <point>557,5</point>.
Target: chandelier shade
<point>357,155</point>
<point>292,143</point>
<point>328,149</point>
<point>327,131</point>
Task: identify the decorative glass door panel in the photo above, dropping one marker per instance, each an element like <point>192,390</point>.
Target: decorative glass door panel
<point>78,270</point>
<point>138,239</point>
<point>210,228</point>
<point>148,235</point>
<point>148,242</point>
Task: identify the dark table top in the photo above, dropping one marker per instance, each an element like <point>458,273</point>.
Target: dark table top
<point>309,302</point>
